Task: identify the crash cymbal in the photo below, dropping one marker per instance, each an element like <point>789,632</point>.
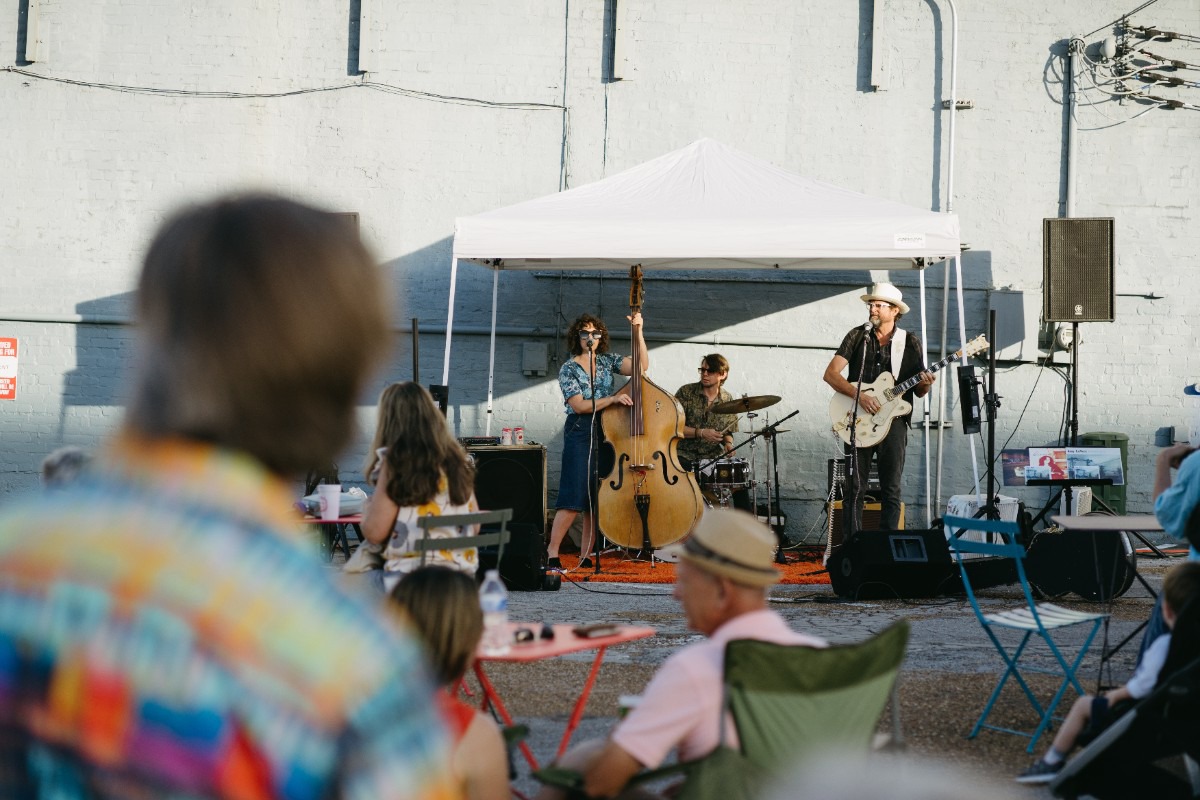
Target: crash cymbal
<point>743,404</point>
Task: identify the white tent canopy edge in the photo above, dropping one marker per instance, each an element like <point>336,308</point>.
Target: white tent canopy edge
<point>703,207</point>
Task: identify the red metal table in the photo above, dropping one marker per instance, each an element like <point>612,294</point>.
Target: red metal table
<point>564,642</point>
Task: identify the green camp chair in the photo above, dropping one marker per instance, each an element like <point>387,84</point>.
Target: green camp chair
<point>787,702</point>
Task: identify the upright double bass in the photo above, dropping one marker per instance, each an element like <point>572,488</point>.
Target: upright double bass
<point>648,500</point>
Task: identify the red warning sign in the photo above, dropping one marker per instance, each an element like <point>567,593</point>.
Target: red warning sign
<point>8,369</point>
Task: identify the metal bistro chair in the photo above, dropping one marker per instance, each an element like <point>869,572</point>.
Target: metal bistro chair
<point>1032,619</point>
<point>498,538</point>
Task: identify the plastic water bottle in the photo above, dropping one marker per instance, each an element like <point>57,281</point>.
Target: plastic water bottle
<point>493,599</point>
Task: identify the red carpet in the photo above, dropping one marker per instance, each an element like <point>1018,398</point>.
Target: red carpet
<point>803,567</point>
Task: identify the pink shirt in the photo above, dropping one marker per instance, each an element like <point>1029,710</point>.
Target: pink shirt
<point>682,703</point>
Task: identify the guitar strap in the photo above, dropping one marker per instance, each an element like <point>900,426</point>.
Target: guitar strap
<point>897,353</point>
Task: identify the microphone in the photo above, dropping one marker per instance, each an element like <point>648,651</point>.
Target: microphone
<point>870,326</point>
<point>591,343</point>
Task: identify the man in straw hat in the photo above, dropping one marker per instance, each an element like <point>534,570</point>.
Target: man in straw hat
<point>868,351</point>
<point>725,569</point>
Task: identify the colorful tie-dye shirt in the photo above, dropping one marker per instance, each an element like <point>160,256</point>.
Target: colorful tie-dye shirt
<point>167,632</point>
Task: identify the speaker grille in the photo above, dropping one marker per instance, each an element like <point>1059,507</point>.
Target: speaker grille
<point>1077,261</point>
<point>512,477</point>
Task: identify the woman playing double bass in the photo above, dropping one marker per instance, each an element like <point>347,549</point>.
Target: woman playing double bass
<point>586,381</point>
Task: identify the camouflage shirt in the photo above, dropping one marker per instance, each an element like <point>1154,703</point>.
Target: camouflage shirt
<point>697,415</point>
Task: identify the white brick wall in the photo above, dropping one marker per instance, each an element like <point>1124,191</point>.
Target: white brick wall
<point>90,172</point>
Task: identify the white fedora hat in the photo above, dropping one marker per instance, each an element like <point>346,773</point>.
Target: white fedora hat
<point>888,294</point>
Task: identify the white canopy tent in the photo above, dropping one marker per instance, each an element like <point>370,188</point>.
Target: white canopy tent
<point>706,206</point>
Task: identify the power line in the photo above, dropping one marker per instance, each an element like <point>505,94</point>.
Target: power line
<point>228,95</point>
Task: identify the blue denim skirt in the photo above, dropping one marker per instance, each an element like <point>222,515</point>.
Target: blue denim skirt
<point>573,482</point>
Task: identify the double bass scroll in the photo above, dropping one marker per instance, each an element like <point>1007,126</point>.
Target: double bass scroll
<point>648,500</point>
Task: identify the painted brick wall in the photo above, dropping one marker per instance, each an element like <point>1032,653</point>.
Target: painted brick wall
<point>91,171</point>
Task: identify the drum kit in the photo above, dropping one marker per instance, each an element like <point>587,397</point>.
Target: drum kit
<point>720,478</point>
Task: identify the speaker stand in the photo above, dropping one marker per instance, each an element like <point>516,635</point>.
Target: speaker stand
<point>991,508</point>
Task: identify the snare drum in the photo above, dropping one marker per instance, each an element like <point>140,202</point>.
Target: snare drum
<point>726,473</point>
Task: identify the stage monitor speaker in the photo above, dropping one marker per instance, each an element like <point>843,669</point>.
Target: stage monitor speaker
<point>889,564</point>
<point>1077,263</point>
<point>512,476</point>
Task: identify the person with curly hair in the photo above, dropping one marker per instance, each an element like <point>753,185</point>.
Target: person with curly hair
<point>587,380</point>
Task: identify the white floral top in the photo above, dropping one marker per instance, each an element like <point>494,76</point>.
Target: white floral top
<point>400,556</point>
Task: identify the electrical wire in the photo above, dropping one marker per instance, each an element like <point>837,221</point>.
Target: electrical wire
<point>1126,15</point>
<point>228,95</point>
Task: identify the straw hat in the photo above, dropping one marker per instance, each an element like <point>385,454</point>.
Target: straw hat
<point>888,294</point>
<point>732,544</point>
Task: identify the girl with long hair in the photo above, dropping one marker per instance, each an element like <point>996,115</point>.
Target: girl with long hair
<point>418,469</point>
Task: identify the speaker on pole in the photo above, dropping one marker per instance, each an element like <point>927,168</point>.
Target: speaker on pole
<point>1077,262</point>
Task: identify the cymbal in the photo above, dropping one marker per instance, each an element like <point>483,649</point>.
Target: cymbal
<point>743,404</point>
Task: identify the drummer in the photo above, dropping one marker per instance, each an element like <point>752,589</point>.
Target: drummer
<point>706,434</point>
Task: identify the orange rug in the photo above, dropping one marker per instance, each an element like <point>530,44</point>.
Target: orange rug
<point>803,567</point>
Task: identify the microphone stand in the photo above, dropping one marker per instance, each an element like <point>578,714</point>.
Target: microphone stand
<point>593,464</point>
<point>774,512</point>
<point>851,515</point>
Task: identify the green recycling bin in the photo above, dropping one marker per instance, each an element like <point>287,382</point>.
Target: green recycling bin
<point>1112,496</point>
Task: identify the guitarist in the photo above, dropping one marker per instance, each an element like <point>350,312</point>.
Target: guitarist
<point>869,351</point>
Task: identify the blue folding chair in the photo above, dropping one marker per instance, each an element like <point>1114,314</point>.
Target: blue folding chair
<point>1040,619</point>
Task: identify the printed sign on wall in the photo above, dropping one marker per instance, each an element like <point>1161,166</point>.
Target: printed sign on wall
<point>8,369</point>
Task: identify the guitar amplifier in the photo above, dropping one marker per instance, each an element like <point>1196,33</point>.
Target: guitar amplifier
<point>836,470</point>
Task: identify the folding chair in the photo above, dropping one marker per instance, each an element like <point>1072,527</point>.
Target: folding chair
<point>498,538</point>
<point>787,702</point>
<point>1119,762</point>
<point>1032,619</point>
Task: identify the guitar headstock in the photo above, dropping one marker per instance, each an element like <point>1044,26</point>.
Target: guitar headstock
<point>637,293</point>
<point>976,346</point>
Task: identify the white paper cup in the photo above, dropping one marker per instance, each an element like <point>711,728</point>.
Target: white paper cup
<point>330,495</point>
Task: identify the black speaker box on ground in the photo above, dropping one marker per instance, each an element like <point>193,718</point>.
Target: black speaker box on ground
<point>889,564</point>
<point>512,476</point>
<point>523,567</point>
<point>1077,277</point>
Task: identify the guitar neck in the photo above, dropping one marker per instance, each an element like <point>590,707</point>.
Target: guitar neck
<point>901,388</point>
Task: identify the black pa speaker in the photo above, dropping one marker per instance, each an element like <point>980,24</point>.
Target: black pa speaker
<point>523,567</point>
<point>891,564</point>
<point>1077,262</point>
<point>512,476</point>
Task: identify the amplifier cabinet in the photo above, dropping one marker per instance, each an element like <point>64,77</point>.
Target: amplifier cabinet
<point>512,476</point>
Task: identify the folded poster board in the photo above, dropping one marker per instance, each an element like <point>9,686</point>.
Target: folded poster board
<point>1061,464</point>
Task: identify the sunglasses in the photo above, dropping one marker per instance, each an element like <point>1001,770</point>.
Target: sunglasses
<point>591,334</point>
<point>703,370</point>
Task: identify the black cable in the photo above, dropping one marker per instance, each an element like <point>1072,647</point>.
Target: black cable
<point>1126,15</point>
<point>227,95</point>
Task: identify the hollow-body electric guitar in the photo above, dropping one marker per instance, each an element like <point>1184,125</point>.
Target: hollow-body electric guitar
<point>871,428</point>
